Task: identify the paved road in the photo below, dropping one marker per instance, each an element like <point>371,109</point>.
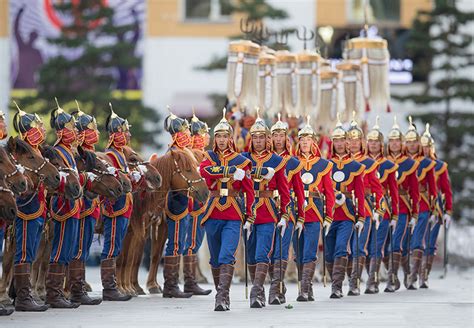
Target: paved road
<point>448,303</point>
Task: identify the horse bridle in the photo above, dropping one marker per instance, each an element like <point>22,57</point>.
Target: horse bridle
<point>185,178</point>
<point>4,189</point>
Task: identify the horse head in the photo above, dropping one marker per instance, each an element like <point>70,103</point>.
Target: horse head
<point>13,174</point>
<point>8,207</point>
<point>135,162</point>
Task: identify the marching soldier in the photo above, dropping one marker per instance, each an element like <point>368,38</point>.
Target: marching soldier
<point>227,173</point>
<point>87,138</point>
<point>64,212</point>
<point>176,210</point>
<point>116,212</point>
<point>319,210</point>
<point>444,207</point>
<point>270,181</point>
<point>374,209</point>
<point>31,218</point>
<point>387,175</point>
<point>428,194</point>
<point>194,230</point>
<point>349,213</point>
<point>282,147</point>
<point>408,193</point>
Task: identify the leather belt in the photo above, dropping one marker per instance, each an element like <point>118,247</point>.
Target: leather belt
<point>225,193</point>
<point>403,192</point>
<point>266,193</point>
<point>312,194</point>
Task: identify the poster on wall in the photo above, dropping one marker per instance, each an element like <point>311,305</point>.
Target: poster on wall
<point>32,22</point>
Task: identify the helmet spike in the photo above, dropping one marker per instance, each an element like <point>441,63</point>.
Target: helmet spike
<point>21,113</point>
<point>377,122</point>
<point>279,116</point>
<point>308,118</point>
<point>59,109</point>
<point>338,117</point>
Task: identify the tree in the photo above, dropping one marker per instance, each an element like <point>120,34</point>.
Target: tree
<point>443,37</point>
<point>100,60</point>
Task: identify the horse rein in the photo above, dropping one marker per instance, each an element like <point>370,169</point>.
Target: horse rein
<point>185,178</point>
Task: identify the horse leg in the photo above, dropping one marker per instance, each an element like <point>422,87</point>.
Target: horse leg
<point>43,268</point>
<point>128,263</point>
<point>36,268</point>
<point>136,267</point>
<point>158,240</point>
<point>120,262</point>
<point>7,266</point>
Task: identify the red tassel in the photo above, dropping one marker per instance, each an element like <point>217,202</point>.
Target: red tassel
<point>389,109</point>
<point>367,106</point>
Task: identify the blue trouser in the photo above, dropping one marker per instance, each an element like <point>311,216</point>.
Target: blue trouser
<point>84,238</point>
<point>114,233</point>
<point>433,238</point>
<point>382,234</point>
<point>260,243</point>
<point>337,239</point>
<point>418,238</point>
<point>64,240</point>
<point>2,237</point>
<point>307,244</point>
<point>400,238</point>
<point>223,239</point>
<point>363,239</point>
<point>194,234</point>
<point>286,240</point>
<point>176,237</point>
<point>27,239</point>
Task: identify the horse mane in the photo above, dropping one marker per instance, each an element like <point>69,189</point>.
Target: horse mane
<point>198,155</point>
<point>88,157</point>
<point>21,147</point>
<point>166,164</point>
<point>50,153</point>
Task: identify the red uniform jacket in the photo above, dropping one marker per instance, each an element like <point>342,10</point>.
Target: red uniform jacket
<point>217,169</point>
<point>444,185</point>
<point>317,180</point>
<point>408,190</point>
<point>387,174</point>
<point>427,181</point>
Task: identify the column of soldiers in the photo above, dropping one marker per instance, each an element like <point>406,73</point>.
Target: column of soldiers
<point>372,201</point>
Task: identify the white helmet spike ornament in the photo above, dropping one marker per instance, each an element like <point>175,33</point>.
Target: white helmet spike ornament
<point>223,126</point>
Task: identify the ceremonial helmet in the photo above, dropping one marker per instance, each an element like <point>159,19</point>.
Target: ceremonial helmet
<point>412,134</point>
<point>395,132</point>
<point>223,126</point>
<point>23,122</point>
<point>175,124</point>
<point>279,126</point>
<point>307,130</point>
<point>2,115</point>
<point>84,121</point>
<point>355,132</point>
<point>426,139</point>
<point>115,123</point>
<point>197,126</point>
<point>375,133</point>
<point>61,119</point>
<point>338,132</point>
<point>259,127</point>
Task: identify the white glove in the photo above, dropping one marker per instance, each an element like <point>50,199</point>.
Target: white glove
<point>340,199</point>
<point>299,228</point>
<point>142,169</point>
<point>359,226</point>
<point>248,228</point>
<point>412,224</point>
<point>447,220</point>
<point>282,226</point>
<point>63,175</point>
<point>91,176</point>
<point>432,220</point>
<point>112,170</point>
<point>270,174</point>
<point>326,227</point>
<point>376,218</point>
<point>239,174</point>
<point>136,176</point>
<point>393,224</point>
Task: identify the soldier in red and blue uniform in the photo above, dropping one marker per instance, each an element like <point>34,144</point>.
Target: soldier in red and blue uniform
<point>349,213</point>
<point>408,193</point>
<point>177,210</point>
<point>444,204</point>
<point>87,138</point>
<point>227,174</point>
<point>194,231</point>
<point>387,176</point>
<point>64,212</point>
<point>319,207</point>
<point>428,194</point>
<point>270,182</point>
<point>31,216</point>
<point>115,212</point>
<point>374,200</point>
<point>283,148</point>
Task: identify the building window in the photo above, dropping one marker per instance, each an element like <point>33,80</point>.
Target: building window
<point>379,11</point>
<point>207,10</point>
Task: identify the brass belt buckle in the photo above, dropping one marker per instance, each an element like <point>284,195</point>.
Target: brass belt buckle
<point>224,192</point>
<point>306,193</point>
<point>275,194</point>
<point>257,193</point>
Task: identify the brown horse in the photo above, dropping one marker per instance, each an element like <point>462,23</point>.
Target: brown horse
<point>133,243</point>
<point>179,171</point>
<point>11,173</point>
<point>37,170</point>
<point>8,207</point>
